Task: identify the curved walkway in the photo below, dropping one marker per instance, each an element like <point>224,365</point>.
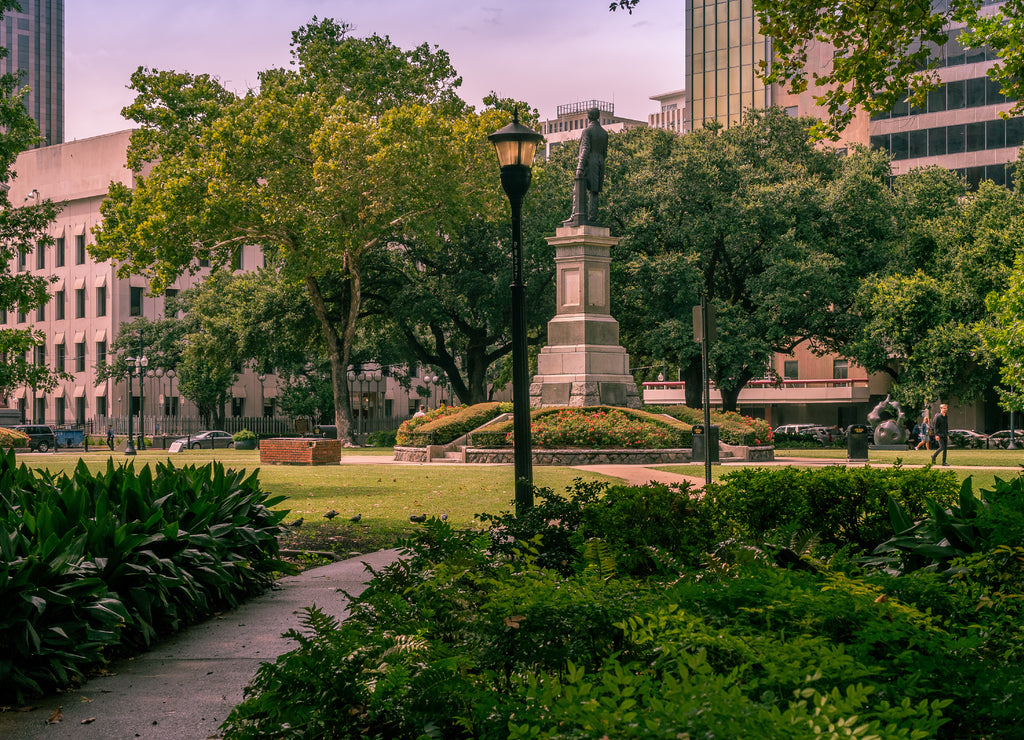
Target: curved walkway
<point>185,686</point>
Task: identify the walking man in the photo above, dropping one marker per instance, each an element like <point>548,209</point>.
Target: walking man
<point>942,432</point>
<point>110,437</point>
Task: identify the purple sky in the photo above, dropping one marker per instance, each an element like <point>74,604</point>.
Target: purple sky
<point>567,50</point>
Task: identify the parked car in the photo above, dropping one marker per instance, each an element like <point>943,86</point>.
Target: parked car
<point>40,436</point>
<point>1001,438</point>
<point>207,440</point>
<point>823,435</point>
<point>968,438</point>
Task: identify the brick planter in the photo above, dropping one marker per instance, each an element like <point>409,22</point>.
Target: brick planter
<point>300,451</point>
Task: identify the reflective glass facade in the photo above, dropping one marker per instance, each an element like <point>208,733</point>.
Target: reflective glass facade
<point>34,40</point>
<point>725,47</point>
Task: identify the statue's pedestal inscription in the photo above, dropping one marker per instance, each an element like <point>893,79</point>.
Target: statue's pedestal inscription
<point>583,364</point>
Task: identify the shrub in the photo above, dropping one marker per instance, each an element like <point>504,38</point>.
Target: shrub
<point>444,424</point>
<point>92,562</point>
<point>845,506</point>
<point>383,438</point>
<point>13,438</point>
<point>733,428</point>
<point>243,435</point>
<point>592,427</point>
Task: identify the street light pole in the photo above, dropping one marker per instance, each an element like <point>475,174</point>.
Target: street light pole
<point>516,146</point>
<point>129,448</point>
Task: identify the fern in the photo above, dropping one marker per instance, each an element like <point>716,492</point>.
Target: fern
<point>598,558</point>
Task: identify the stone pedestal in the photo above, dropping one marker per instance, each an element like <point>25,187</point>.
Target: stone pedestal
<point>583,364</point>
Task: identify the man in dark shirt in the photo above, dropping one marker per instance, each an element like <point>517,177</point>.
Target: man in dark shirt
<point>942,432</point>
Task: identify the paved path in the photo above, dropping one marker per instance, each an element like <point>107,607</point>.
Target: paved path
<point>185,686</point>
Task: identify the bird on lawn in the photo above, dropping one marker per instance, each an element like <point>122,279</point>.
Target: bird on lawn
<point>356,518</point>
<point>330,514</point>
<point>297,523</point>
<point>418,518</point>
<point>444,517</point>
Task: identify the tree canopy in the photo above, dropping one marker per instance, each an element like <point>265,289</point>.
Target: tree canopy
<point>325,167</point>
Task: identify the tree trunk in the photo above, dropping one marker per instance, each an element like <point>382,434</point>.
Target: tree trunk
<point>338,353</point>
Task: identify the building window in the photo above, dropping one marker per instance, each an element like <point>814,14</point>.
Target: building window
<point>135,302</point>
<point>40,256</point>
<point>80,408</point>
<point>79,357</point>
<point>840,369</point>
<point>22,317</point>
<point>236,259</point>
<point>101,353</point>
<point>40,354</point>
<point>58,305</point>
<point>59,410</point>
<point>80,249</point>
<point>59,356</point>
<point>58,252</point>
<point>170,406</point>
<point>789,370</point>
<point>22,259</point>
<point>101,300</point>
<point>169,294</point>
<point>101,408</point>
<point>41,312</point>
<point>237,407</point>
<point>79,303</point>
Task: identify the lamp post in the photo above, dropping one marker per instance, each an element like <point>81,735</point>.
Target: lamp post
<point>516,146</point>
<point>430,381</point>
<point>134,364</point>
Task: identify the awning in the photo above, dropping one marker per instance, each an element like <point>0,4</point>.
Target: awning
<point>101,335</point>
<point>58,285</point>
<point>40,393</point>
<point>101,280</point>
<point>58,338</point>
<point>79,283</point>
<point>79,229</point>
<point>101,390</point>
<point>79,337</point>
<point>79,391</point>
<point>238,392</point>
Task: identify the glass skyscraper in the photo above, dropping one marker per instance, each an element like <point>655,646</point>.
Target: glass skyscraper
<point>34,40</point>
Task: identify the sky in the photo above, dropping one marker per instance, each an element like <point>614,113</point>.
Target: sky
<point>546,52</point>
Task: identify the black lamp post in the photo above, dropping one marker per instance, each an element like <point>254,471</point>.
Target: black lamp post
<point>516,146</point>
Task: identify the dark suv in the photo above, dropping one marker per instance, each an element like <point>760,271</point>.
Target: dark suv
<point>40,437</point>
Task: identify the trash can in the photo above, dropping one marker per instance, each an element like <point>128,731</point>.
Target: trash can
<point>857,441</point>
<point>704,444</point>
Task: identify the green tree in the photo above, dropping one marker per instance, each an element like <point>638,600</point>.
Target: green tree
<point>360,146</point>
<point>22,232</point>
<point>774,230</point>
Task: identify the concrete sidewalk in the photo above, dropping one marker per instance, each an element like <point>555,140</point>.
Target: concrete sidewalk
<point>185,686</point>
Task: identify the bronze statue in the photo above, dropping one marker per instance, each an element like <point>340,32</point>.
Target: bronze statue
<point>589,171</point>
<point>887,418</point>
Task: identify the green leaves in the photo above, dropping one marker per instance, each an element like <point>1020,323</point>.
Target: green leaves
<point>89,562</point>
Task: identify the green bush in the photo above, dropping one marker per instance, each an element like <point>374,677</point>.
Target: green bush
<point>91,563</point>
<point>243,435</point>
<point>444,424</point>
<point>845,506</point>
<point>733,428</point>
<point>13,438</point>
<point>593,427</point>
<point>383,438</point>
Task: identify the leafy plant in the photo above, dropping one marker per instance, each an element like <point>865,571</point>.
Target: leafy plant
<point>243,435</point>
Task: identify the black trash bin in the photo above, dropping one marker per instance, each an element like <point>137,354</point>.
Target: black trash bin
<point>705,443</point>
<point>857,441</point>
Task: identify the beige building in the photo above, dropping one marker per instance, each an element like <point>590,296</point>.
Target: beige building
<point>568,125</point>
<point>672,113</point>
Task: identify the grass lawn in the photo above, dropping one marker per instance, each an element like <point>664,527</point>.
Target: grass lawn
<point>384,494</point>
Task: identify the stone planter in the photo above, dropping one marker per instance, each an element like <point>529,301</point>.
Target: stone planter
<point>245,444</point>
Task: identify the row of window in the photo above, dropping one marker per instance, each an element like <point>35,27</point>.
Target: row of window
<point>956,95</point>
<point>59,304</point>
<point>59,254</point>
<point>840,369</point>
<point>957,139</point>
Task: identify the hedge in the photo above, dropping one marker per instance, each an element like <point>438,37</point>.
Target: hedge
<point>444,424</point>
<point>592,427</point>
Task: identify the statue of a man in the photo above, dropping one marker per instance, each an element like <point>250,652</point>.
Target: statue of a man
<point>589,171</point>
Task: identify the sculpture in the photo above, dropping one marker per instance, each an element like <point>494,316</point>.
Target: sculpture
<point>589,172</point>
<point>888,420</point>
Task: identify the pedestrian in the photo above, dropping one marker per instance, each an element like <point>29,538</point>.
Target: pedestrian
<point>941,428</point>
<point>110,437</point>
<point>925,432</point>
<point>420,411</point>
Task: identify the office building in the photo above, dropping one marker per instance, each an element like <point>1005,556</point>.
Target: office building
<point>672,113</point>
<point>571,119</point>
<point>34,40</point>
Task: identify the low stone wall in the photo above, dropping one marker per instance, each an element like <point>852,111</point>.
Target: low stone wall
<point>749,453</point>
<point>568,457</point>
<point>300,451</point>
